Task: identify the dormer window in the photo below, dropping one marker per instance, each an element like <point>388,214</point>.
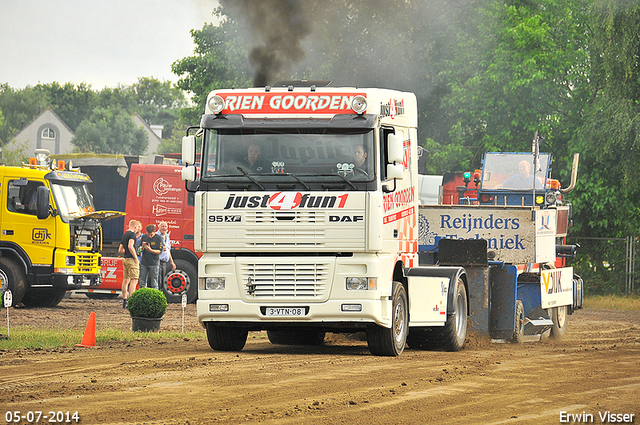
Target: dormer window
<point>48,133</point>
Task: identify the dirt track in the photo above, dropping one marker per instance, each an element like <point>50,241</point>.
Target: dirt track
<point>595,369</point>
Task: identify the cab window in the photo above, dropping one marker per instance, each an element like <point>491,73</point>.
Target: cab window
<point>21,196</point>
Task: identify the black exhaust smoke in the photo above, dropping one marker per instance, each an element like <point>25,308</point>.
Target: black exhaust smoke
<point>276,28</point>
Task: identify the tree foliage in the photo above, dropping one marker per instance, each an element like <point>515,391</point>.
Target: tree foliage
<point>219,61</point>
<point>606,201</point>
<point>110,130</point>
<point>487,74</point>
<point>517,72</point>
<point>155,101</point>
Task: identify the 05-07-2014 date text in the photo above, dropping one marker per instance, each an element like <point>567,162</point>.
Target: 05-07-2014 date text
<point>37,416</point>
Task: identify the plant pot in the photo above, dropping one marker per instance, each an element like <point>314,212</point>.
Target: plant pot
<point>145,324</point>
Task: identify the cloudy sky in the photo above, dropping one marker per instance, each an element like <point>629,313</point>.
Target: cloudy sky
<point>100,42</point>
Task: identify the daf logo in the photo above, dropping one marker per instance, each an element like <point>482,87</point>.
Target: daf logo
<point>345,218</point>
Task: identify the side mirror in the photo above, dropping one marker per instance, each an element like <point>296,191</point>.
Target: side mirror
<point>189,150</point>
<point>189,173</point>
<point>395,148</point>
<point>42,202</point>
<point>395,171</point>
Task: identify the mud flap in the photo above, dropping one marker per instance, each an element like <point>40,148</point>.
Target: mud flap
<point>432,291</point>
<point>472,255</point>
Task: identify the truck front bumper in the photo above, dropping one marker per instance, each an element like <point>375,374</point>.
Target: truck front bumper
<point>356,314</point>
<point>76,281</point>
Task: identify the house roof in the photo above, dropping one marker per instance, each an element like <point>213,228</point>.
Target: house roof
<point>26,127</point>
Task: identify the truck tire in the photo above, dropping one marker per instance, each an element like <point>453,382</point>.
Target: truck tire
<point>296,337</point>
<point>390,342</point>
<point>226,338</point>
<point>12,278</point>
<point>518,332</point>
<point>449,337</point>
<point>43,297</point>
<point>559,317</point>
<point>183,279</point>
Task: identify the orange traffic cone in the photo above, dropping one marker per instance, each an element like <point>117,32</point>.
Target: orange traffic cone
<point>89,337</point>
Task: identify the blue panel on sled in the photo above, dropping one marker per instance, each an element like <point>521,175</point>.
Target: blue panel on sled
<point>529,294</point>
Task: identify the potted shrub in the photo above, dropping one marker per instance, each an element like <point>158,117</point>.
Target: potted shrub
<point>147,307</point>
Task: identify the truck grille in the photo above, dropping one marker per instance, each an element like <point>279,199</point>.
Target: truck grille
<point>288,232</point>
<point>284,237</point>
<point>292,280</point>
<point>272,217</point>
<point>87,263</point>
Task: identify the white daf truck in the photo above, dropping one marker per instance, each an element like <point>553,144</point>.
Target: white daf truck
<point>307,215</point>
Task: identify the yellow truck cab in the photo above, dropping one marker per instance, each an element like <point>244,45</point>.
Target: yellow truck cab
<point>50,237</point>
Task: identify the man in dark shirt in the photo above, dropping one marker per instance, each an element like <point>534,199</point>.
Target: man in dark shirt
<point>130,264</point>
<point>254,162</point>
<point>151,243</point>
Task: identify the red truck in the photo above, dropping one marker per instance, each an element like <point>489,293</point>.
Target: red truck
<point>150,193</point>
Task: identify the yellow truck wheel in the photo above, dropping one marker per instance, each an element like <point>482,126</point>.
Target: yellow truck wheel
<point>12,277</point>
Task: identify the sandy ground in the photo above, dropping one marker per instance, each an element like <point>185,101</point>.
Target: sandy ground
<point>595,369</point>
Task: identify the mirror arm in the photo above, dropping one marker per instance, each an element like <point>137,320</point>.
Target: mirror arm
<point>385,189</point>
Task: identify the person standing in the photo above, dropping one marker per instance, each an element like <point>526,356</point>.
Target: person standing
<point>130,263</point>
<point>165,255</point>
<point>151,244</point>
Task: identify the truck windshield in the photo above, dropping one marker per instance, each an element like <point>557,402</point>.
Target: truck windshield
<point>305,154</point>
<point>514,171</point>
<point>72,200</point>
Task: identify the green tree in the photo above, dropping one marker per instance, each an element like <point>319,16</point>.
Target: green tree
<point>71,103</point>
<point>159,103</point>
<point>519,68</point>
<point>19,108</point>
<point>110,130</point>
<point>219,61</point>
<point>606,199</point>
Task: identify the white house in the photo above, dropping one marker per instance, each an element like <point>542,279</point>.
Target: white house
<point>48,131</point>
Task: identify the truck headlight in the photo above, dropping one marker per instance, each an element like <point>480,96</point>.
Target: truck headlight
<point>362,283</point>
<point>359,104</point>
<point>216,103</point>
<point>63,270</point>
<point>213,283</point>
<point>70,261</point>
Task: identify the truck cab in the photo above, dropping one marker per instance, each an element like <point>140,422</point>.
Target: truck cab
<point>306,215</point>
<point>50,232</point>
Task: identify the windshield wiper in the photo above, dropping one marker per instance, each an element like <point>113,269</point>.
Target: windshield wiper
<point>306,186</point>
<point>353,186</point>
<point>257,183</point>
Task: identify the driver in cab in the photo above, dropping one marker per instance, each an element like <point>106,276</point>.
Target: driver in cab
<point>254,162</point>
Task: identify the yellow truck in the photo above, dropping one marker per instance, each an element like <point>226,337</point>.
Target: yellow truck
<point>50,237</point>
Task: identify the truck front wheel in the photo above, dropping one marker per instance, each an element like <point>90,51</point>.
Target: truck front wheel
<point>183,279</point>
<point>226,338</point>
<point>518,334</point>
<point>559,317</point>
<point>12,278</point>
<point>44,297</point>
<point>390,342</point>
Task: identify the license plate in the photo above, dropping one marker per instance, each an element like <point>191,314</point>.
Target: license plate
<point>285,311</point>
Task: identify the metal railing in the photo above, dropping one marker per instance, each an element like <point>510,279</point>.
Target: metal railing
<point>607,265</point>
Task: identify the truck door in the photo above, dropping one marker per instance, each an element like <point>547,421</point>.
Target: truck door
<point>21,226</point>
